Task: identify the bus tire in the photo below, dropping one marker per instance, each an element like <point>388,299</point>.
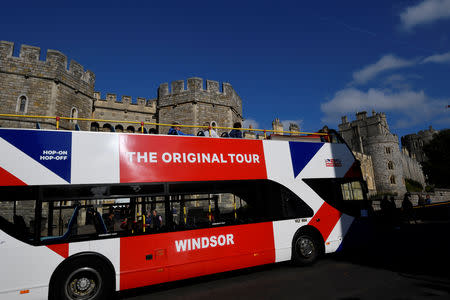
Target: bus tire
<point>305,249</point>
<point>83,278</point>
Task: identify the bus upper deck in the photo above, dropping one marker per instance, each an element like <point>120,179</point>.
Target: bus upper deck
<point>145,202</point>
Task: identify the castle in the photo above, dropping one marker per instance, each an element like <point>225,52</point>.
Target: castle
<point>370,136</point>
<point>29,86</point>
<point>413,143</point>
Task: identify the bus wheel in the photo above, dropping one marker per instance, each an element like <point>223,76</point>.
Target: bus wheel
<point>305,250</point>
<point>82,279</point>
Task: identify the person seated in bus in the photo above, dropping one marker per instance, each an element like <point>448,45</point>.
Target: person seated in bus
<point>236,133</point>
<point>156,220</point>
<point>324,138</point>
<point>109,222</point>
<point>148,219</point>
<point>152,131</point>
<point>208,131</point>
<point>428,199</point>
<point>176,130</point>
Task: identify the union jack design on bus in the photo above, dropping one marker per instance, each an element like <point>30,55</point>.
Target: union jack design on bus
<point>145,209</point>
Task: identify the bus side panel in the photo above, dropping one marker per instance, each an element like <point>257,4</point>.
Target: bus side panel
<point>25,267</point>
<point>283,232</point>
<point>338,233</point>
<point>151,259</point>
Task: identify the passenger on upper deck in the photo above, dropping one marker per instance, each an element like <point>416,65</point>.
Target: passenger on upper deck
<point>324,138</point>
<point>208,131</point>
<point>176,130</point>
<point>236,133</point>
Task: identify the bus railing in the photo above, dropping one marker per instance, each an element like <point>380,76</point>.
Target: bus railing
<point>142,123</point>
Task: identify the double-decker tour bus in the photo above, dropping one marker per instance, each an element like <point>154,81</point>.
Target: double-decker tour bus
<point>85,214</point>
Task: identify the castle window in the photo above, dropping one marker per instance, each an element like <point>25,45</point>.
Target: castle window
<point>22,104</point>
<point>388,150</point>
<point>392,179</point>
<point>390,165</point>
<point>74,114</point>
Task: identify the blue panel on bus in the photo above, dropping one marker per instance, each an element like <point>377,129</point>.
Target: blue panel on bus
<point>301,154</point>
<point>51,149</point>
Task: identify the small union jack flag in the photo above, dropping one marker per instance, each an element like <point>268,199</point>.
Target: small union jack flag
<point>333,163</point>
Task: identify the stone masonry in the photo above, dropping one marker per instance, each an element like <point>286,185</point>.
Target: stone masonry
<point>142,110</point>
<point>47,87</point>
<point>371,136</point>
<point>196,105</point>
<point>414,143</point>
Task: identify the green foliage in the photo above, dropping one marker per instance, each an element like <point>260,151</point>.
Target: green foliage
<point>413,186</point>
<point>429,189</point>
<point>437,167</point>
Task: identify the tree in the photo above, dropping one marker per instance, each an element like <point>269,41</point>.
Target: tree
<point>437,167</point>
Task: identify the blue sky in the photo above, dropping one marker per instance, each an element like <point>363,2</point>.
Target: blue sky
<point>309,62</point>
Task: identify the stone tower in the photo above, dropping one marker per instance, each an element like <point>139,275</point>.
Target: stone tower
<point>371,136</point>
<point>29,86</point>
<point>277,125</point>
<point>414,143</point>
<point>196,105</point>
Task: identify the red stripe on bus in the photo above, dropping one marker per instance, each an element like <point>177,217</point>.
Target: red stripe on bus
<point>325,219</point>
<point>7,179</point>
<point>61,249</point>
<point>156,258</point>
<point>354,171</point>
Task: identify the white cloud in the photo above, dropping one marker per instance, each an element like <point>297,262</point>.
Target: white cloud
<point>438,58</point>
<point>248,122</point>
<point>387,62</point>
<point>425,12</point>
<point>411,107</point>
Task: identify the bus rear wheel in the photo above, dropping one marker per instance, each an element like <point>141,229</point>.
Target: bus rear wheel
<point>82,279</point>
<point>305,250</point>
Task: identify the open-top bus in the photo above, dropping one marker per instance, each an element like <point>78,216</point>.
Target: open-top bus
<point>73,208</point>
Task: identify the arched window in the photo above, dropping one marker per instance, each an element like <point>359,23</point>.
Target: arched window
<point>74,114</point>
<point>107,128</point>
<point>392,179</point>
<point>390,165</point>
<point>213,124</point>
<point>119,128</point>
<point>22,104</point>
<point>94,126</point>
<point>130,129</point>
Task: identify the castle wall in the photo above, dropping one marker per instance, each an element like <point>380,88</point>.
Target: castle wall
<point>367,171</point>
<point>110,108</point>
<point>51,88</point>
<point>414,143</point>
<point>371,136</point>
<point>194,105</point>
<point>412,169</point>
<point>377,147</point>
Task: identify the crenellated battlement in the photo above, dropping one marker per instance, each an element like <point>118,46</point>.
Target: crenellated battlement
<point>194,84</point>
<point>53,67</point>
<point>193,91</point>
<point>125,102</point>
